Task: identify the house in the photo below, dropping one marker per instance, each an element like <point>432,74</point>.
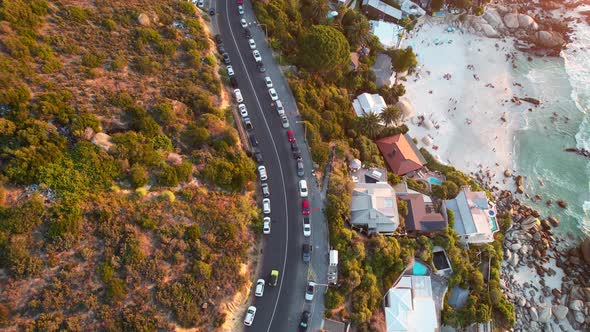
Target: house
<point>368,103</point>
<point>379,10</point>
<point>409,305</point>
<point>410,8</point>
<point>475,216</point>
<point>401,154</point>
<point>422,216</point>
<point>389,34</point>
<point>367,175</point>
<point>374,208</point>
<point>383,70</point>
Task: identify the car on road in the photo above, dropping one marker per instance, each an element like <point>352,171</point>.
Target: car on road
<point>247,33</point>
<point>300,169</point>
<point>240,2</point>
<point>296,151</point>
<point>268,82</point>
<point>303,192</point>
<point>273,94</point>
<point>258,156</point>
<point>200,3</point>
<point>252,44</point>
<point>238,95</point>
<point>284,121</point>
<point>253,140</point>
<point>265,190</point>
<point>250,313</point>
<point>233,82</point>
<point>218,39</point>
<point>243,110</point>
<point>291,136</point>
<point>274,278</point>
<point>261,67</point>
<point>241,10</point>
<point>306,249</point>
<point>266,225</point>
<point>256,55</point>
<point>248,124</point>
<point>309,291</point>
<point>262,173</point>
<point>226,58</point>
<point>244,23</point>
<point>305,207</point>
<point>304,322</point>
<point>266,205</point>
<point>306,227</point>
<point>221,49</point>
<point>212,11</point>
<point>259,287</point>
<point>280,108</point>
<point>230,70</point>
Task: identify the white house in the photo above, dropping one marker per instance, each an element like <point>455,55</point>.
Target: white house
<point>475,216</point>
<point>409,306</point>
<point>368,103</point>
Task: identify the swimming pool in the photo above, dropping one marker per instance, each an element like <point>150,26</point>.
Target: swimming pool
<point>435,181</point>
<point>494,224</point>
<point>419,269</point>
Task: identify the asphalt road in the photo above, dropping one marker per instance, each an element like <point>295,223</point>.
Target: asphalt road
<point>280,308</point>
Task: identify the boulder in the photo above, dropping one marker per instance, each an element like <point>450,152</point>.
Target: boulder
<point>103,141</point>
<point>489,31</point>
<point>529,223</point>
<point>516,246</point>
<point>519,180</point>
<point>511,20</point>
<point>533,313</point>
<point>554,222</point>
<point>174,159</point>
<point>548,39</point>
<point>507,173</point>
<point>576,305</point>
<point>525,21</point>
<point>514,261</point>
<point>493,18</point>
<point>545,224</point>
<point>559,312</point>
<point>562,204</point>
<point>580,317</point>
<point>144,20</point>
<point>544,313</point>
<point>520,189</point>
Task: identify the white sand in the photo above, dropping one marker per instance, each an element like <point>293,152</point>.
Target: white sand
<point>487,140</point>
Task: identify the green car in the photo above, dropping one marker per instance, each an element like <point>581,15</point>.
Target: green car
<point>274,278</point>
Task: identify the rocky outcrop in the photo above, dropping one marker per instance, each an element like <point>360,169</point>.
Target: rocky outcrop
<point>511,20</point>
<point>549,39</point>
<point>559,312</point>
<point>103,141</point>
<point>144,20</point>
<point>544,314</point>
<point>525,21</point>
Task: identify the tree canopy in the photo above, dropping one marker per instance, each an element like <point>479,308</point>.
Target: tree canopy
<point>402,59</point>
<point>323,49</point>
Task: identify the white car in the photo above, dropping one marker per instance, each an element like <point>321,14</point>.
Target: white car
<point>243,110</point>
<point>262,173</point>
<point>243,23</point>
<point>309,291</point>
<point>266,205</point>
<point>238,95</point>
<point>230,70</point>
<point>241,10</point>
<point>273,94</point>
<point>266,225</point>
<point>280,108</point>
<point>257,56</point>
<point>252,44</point>
<point>306,227</point>
<point>200,3</point>
<point>268,82</point>
<point>303,192</point>
<point>250,313</point>
<point>284,121</point>
<point>259,287</point>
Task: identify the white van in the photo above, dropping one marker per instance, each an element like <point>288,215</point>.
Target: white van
<point>238,95</point>
<point>303,188</point>
<point>280,108</point>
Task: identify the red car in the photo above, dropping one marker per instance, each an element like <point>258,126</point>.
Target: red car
<point>240,2</point>
<point>291,136</point>
<point>305,207</point>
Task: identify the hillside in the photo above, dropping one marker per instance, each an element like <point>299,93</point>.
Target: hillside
<point>122,202</point>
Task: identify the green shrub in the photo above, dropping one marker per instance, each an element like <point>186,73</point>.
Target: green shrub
<point>92,59</point>
<point>116,290</point>
<point>118,63</point>
<point>168,196</point>
<point>76,14</point>
<point>109,24</point>
<point>138,176</point>
<point>146,66</point>
<point>187,7</point>
<point>167,176</point>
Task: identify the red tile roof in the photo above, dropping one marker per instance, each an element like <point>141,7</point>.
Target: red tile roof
<point>401,154</point>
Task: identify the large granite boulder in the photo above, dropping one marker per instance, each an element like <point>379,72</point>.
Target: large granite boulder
<point>534,314</point>
<point>511,20</point>
<point>144,20</point>
<point>577,305</point>
<point>544,313</point>
<point>489,31</point>
<point>525,21</point>
<point>493,18</point>
<point>559,312</point>
<point>548,38</point>
<point>102,140</point>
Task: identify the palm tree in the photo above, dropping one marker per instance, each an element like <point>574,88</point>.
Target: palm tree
<point>319,10</point>
<point>391,114</point>
<point>368,124</point>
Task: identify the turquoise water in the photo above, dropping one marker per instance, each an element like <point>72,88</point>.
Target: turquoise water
<point>434,181</point>
<point>494,224</point>
<point>419,269</point>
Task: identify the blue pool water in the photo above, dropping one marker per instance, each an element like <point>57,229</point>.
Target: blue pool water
<point>419,269</point>
<point>435,181</point>
<point>494,224</point>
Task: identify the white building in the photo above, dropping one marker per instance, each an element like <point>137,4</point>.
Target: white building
<point>389,34</point>
<point>373,206</point>
<point>368,103</point>
<point>409,306</point>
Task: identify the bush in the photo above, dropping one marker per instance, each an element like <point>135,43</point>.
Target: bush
<point>146,66</point>
<point>138,176</point>
<point>76,14</point>
<point>92,59</point>
<point>167,176</point>
<point>109,24</point>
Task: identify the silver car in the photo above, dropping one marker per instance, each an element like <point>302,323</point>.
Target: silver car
<point>300,170</point>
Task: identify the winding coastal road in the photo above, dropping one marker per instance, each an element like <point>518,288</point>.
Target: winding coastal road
<point>280,308</point>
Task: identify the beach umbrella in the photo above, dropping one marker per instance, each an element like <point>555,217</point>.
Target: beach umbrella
<point>406,107</point>
<point>427,140</point>
<point>427,124</point>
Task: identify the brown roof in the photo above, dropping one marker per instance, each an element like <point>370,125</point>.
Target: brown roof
<point>401,154</point>
<point>421,216</point>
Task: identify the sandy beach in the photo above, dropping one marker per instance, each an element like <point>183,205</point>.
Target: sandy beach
<point>463,86</point>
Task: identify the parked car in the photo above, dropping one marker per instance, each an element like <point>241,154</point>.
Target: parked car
<point>244,23</point>
<point>253,140</point>
<point>273,94</point>
<point>233,82</point>
<point>296,152</point>
<point>240,2</point>
<point>218,39</point>
<point>200,3</point>
<point>284,121</point>
<point>261,67</point>
<point>304,322</point>
<point>274,278</point>
<point>265,190</point>
<point>230,70</point>
<point>250,313</point>
<point>226,58</point>
<point>221,48</point>
<point>211,11</point>
<point>303,192</point>
<point>256,55</point>
<point>243,110</point>
<point>238,95</point>
<point>279,107</point>
<point>252,44</point>
<point>300,169</point>
<point>266,225</point>
<point>247,33</point>
<point>266,205</point>
<point>268,82</point>
<point>309,291</point>
<point>259,287</point>
<point>305,207</point>
<point>291,136</point>
<point>241,10</point>
<point>306,227</point>
<point>248,124</point>
<point>306,252</point>
<point>262,173</point>
<point>258,156</point>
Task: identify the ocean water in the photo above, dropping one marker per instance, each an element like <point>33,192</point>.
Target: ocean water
<point>563,86</point>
